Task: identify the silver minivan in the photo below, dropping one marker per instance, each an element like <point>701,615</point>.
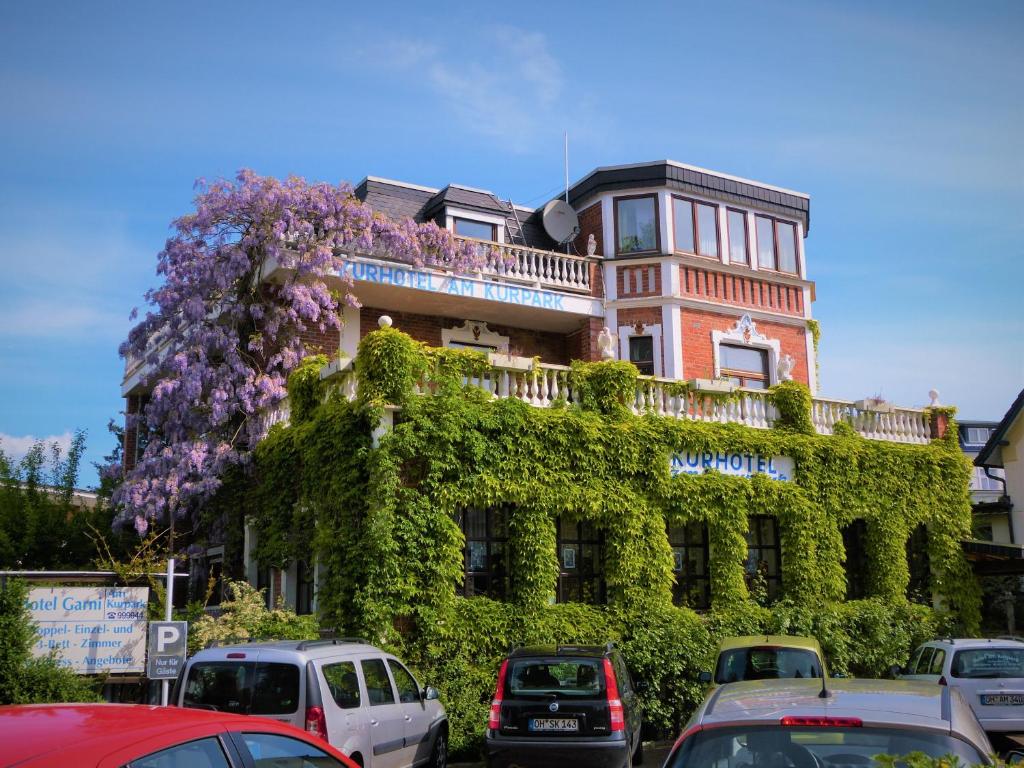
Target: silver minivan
<point>989,674</point>
<point>361,699</point>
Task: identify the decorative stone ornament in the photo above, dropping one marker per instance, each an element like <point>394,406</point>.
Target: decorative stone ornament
<point>933,398</point>
<point>385,321</point>
<point>746,329</point>
<point>591,244</point>
<point>785,368</point>
<point>606,344</point>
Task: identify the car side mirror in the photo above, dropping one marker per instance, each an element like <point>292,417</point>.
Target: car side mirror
<point>895,671</point>
<point>430,693</point>
<point>705,677</point>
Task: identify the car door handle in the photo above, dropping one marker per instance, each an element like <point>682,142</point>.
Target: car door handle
<point>407,718</point>
<point>374,722</point>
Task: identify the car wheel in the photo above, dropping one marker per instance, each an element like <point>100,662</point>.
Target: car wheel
<point>439,754</point>
<point>638,756</point>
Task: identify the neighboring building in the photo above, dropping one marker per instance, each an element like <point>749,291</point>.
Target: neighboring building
<point>697,275</point>
<point>989,500</point>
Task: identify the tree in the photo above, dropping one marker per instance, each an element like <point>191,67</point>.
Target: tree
<point>23,678</point>
<point>221,339</point>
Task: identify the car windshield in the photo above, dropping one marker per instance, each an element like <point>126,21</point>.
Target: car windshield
<point>561,677</point>
<point>988,663</point>
<point>243,688</point>
<point>774,746</point>
<point>764,663</point>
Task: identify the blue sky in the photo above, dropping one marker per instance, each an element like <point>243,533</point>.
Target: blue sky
<point>903,121</point>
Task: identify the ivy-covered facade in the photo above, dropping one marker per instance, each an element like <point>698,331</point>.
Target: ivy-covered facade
<point>473,522</point>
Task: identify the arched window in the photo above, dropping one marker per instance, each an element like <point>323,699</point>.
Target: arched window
<point>486,571</point>
<point>855,544</point>
<point>581,563</point>
<point>764,561</point>
<point>690,565</point>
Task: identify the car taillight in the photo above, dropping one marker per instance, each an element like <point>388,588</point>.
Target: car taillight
<point>494,719</point>
<point>814,721</point>
<point>615,711</point>
<point>316,723</point>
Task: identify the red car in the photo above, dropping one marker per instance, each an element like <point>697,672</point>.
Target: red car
<point>138,736</point>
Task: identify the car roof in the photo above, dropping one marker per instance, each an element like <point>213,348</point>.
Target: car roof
<point>591,651</point>
<point>305,649</point>
<point>875,702</point>
<point>976,642</point>
<point>34,730</point>
<point>786,641</point>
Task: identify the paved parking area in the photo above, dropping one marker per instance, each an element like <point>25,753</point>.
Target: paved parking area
<point>655,753</point>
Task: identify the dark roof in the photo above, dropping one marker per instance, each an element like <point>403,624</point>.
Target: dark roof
<point>963,426</point>
<point>986,457</point>
<point>666,173</point>
<point>589,651</point>
<point>398,200</point>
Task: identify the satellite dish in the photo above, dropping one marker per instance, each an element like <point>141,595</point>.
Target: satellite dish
<point>560,221</point>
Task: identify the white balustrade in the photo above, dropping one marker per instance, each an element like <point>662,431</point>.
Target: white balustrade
<point>532,266</point>
<point>546,385</point>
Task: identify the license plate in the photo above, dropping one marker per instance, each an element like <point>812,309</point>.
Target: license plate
<point>1004,699</point>
<point>554,724</point>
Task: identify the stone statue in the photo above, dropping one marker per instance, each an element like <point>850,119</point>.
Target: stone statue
<point>606,343</point>
<point>786,368</point>
<point>591,244</point>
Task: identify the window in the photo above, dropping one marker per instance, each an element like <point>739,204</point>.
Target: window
<point>479,230</point>
<point>243,688</point>
<point>744,366</point>
<point>304,588</point>
<point>765,662</point>
<point>854,539</point>
<point>378,685</point>
<point>636,224</point>
<point>938,659</point>
<point>763,567</point>
<point>690,565</point>
<point>203,753</point>
<point>641,354</point>
<point>919,588</point>
<point>486,556</point>
<point>924,661</point>
<point>982,482</point>
<point>989,663</point>
<point>738,252</point>
<point>408,690</point>
<point>567,678</point>
<point>581,559</point>
<point>776,244</point>
<point>696,227</point>
<point>978,435</point>
<point>343,684</point>
<point>269,750</point>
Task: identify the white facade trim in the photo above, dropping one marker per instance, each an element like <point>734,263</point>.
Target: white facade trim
<point>708,306</point>
<point>745,333</point>
<point>812,368</point>
<point>654,331</point>
<point>452,213</point>
<point>476,333</point>
<point>672,341</point>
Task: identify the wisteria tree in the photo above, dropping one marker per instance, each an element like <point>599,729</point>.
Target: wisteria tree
<point>220,338</point>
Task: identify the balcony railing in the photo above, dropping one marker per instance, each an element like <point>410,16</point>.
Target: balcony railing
<point>534,267</point>
<point>545,384</point>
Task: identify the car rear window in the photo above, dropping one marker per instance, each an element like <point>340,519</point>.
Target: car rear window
<point>988,663</point>
<point>246,688</point>
<point>775,745</point>
<point>562,677</point>
<point>764,663</point>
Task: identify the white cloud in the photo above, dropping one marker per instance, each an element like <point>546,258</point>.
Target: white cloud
<point>16,446</point>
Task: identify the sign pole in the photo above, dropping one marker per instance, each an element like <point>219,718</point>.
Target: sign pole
<point>166,684</point>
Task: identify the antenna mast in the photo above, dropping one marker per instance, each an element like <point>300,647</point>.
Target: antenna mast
<point>565,135</point>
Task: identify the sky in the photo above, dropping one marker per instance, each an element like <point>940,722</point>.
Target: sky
<point>902,121</point>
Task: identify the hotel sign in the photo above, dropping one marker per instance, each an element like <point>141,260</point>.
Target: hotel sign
<point>731,463</point>
<point>488,290</point>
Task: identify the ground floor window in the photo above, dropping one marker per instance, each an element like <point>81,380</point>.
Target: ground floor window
<point>486,571</point>
<point>304,587</point>
<point>919,588</point>
<point>764,560</point>
<point>581,563</point>
<point>641,354</point>
<point>690,565</point>
<point>263,584</point>
<point>744,366</point>
<point>855,543</point>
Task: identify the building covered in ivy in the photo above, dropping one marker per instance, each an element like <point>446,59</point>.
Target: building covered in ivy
<point>618,438</point>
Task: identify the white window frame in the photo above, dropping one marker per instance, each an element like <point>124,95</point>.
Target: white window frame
<point>745,334</point>
<point>452,213</point>
<point>654,331</point>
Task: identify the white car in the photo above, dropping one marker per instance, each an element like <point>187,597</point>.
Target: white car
<point>362,700</point>
<point>989,674</point>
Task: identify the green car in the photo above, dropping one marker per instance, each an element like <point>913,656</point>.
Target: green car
<point>765,657</point>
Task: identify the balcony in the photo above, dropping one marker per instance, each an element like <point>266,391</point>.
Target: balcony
<point>533,267</point>
<point>546,384</point>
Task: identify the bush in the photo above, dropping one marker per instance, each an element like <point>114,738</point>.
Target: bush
<point>23,678</point>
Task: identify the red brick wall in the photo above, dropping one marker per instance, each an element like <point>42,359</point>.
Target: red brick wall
<point>550,347</point>
<point>698,351</point>
<point>318,342</point>
<point>741,290</point>
<point>644,271</point>
<point>582,344</point>
<point>590,224</point>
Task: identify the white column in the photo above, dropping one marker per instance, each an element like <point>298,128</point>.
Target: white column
<point>752,239</point>
<point>723,234</point>
<point>672,340</point>
<point>812,373</point>
<point>666,224</point>
<point>608,225</point>
<point>250,566</point>
<point>349,331</point>
<point>611,286</point>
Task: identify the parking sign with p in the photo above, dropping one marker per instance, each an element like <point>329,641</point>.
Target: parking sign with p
<point>167,644</point>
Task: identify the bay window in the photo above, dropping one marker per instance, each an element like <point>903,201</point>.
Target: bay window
<point>636,224</point>
<point>696,227</point>
<point>737,221</point>
<point>776,244</point>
